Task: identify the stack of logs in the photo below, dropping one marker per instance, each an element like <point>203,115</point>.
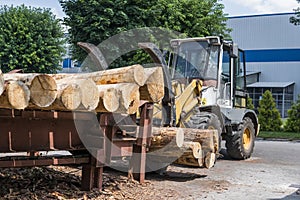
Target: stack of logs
<point>120,90</point>
<point>186,146</point>
<point>115,90</point>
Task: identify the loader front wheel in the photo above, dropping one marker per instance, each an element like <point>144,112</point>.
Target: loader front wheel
<point>240,144</point>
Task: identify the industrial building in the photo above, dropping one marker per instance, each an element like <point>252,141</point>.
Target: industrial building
<point>272,48</point>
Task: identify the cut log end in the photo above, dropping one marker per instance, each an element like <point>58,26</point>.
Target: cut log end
<point>18,94</point>
<point>153,90</point>
<point>210,160</point>
<point>43,90</point>
<point>71,97</point>
<point>90,94</point>
<point>180,137</point>
<point>111,100</point>
<point>139,75</point>
<point>195,147</point>
<point>130,98</point>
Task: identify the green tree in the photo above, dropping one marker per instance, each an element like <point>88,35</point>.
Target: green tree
<point>296,19</point>
<point>94,21</point>
<point>293,121</point>
<point>195,18</point>
<point>30,39</point>
<point>268,114</point>
<point>250,103</point>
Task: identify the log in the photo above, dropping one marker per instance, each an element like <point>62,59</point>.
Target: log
<point>153,90</point>
<point>167,145</point>
<point>128,97</point>
<point>188,159</point>
<point>163,136</point>
<point>43,88</point>
<point>80,94</point>
<point>208,138</point>
<point>109,99</point>
<point>210,160</point>
<point>90,94</point>
<point>68,97</point>
<point>130,74</point>
<point>199,147</point>
<point>195,147</point>
<point>15,96</point>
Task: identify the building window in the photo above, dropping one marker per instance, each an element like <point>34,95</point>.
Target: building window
<point>283,96</point>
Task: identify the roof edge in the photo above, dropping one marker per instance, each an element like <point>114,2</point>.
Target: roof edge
<point>261,15</point>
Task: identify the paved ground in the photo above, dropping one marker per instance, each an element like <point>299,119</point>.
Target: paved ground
<point>272,173</point>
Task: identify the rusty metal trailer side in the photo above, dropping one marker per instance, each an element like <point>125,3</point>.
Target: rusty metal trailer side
<point>33,131</point>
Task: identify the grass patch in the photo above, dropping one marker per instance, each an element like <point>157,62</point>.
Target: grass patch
<point>279,135</point>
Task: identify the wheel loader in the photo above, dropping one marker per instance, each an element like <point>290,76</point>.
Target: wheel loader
<point>205,88</point>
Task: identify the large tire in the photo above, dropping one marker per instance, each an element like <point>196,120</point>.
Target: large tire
<point>240,144</point>
<point>205,120</point>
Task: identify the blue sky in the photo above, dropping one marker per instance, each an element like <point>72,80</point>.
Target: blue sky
<point>232,7</point>
<point>253,7</point>
<point>53,4</point>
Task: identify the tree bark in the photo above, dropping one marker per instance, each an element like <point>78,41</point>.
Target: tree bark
<point>130,74</point>
<point>15,96</point>
<point>208,139</point>
<point>167,135</point>
<point>200,148</point>
<point>153,90</point>
<point>188,159</point>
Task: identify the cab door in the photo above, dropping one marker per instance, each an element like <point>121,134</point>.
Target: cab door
<point>239,80</point>
<point>226,79</point>
<point>233,79</point>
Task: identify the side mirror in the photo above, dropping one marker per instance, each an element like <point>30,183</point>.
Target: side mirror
<point>234,51</point>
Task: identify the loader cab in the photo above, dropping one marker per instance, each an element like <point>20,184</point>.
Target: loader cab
<point>232,82</point>
<point>220,65</point>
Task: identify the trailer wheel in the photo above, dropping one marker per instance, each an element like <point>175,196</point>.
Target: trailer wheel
<point>206,120</point>
<point>240,144</point>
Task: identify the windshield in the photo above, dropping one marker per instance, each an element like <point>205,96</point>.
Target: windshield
<point>196,60</point>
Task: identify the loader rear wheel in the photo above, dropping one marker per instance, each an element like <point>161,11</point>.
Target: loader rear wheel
<point>240,144</point>
<point>206,120</point>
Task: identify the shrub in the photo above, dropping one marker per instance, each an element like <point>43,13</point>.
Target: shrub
<point>293,121</point>
<point>30,39</point>
<point>268,115</point>
<point>250,103</point>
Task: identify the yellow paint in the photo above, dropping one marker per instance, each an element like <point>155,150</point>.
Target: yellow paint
<point>186,99</point>
<point>247,139</point>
